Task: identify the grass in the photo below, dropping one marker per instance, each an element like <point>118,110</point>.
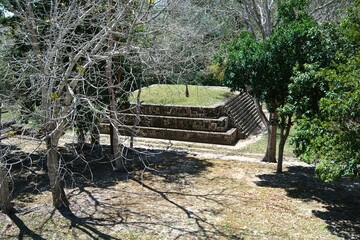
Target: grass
<point>259,147</point>
<point>167,94</point>
<point>9,112</point>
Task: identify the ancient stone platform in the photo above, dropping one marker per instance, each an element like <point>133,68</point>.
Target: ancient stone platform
<point>224,123</point>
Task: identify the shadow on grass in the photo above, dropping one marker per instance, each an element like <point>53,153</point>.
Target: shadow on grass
<point>85,225</point>
<point>204,228</point>
<point>24,230</point>
<point>26,171</point>
<point>91,167</point>
<point>169,168</point>
<point>341,199</point>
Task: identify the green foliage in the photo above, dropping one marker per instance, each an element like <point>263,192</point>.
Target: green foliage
<point>349,27</point>
<point>265,68</point>
<point>291,10</point>
<point>328,136</point>
<point>290,71</point>
<point>329,139</point>
<point>307,85</point>
<point>5,80</point>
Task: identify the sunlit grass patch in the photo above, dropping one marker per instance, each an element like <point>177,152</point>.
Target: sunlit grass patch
<point>259,147</point>
<point>175,95</point>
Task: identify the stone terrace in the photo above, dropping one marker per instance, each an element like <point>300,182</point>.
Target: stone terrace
<point>225,123</point>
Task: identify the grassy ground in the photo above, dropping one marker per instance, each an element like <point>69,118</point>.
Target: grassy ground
<point>180,196</point>
<point>9,112</point>
<point>259,146</point>
<point>175,95</point>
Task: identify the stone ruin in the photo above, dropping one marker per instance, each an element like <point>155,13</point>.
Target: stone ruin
<point>224,123</point>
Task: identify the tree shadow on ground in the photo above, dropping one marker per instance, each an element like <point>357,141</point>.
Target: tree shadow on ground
<point>24,230</point>
<point>204,228</point>
<point>85,225</point>
<point>26,171</point>
<point>167,167</point>
<point>341,199</point>
<point>92,167</point>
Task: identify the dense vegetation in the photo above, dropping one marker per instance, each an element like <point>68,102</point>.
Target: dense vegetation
<point>328,136</point>
<point>305,73</point>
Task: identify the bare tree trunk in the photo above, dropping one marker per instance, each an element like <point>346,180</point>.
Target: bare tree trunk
<point>54,172</point>
<point>95,134</point>
<point>259,109</point>
<point>187,94</point>
<point>116,146</point>
<point>111,133</point>
<point>270,155</point>
<point>5,203</point>
<point>284,134</point>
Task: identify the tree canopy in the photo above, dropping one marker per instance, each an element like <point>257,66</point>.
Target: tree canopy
<point>328,137</point>
<point>264,68</point>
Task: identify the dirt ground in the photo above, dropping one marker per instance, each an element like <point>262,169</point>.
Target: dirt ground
<point>177,195</point>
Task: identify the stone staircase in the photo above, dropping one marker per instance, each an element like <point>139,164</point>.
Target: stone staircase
<point>222,124</point>
<point>243,114</point>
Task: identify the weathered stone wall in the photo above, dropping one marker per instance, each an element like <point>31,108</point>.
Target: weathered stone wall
<point>220,124</point>
<point>182,111</point>
<point>227,138</point>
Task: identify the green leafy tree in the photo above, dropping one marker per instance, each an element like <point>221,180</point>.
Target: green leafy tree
<point>327,136</point>
<point>265,68</point>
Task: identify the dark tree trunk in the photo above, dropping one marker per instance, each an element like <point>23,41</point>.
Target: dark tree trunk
<point>284,134</point>
<point>5,203</point>
<point>54,172</point>
<point>270,155</point>
<point>81,134</point>
<point>187,94</point>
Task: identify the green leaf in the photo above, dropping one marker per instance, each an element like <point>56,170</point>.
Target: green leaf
<point>54,96</point>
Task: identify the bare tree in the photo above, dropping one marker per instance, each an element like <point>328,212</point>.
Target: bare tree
<point>67,43</point>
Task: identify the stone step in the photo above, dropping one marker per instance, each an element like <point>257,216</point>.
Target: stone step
<point>252,127</point>
<point>247,116</point>
<point>237,101</point>
<point>251,122</point>
<point>255,128</point>
<point>225,138</point>
<point>181,111</point>
<point>244,115</point>
<point>242,109</point>
<point>220,124</point>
